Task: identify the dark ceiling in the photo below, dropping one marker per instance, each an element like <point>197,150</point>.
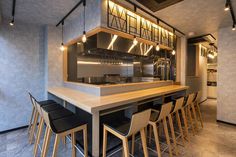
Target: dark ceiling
<point>155,5</point>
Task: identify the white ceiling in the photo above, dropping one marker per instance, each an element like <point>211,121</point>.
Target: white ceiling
<point>199,16</point>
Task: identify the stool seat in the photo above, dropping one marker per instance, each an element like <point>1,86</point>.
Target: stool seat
<point>52,107</point>
<point>46,102</point>
<point>154,115</point>
<point>64,124</point>
<point>122,127</point>
<point>61,113</point>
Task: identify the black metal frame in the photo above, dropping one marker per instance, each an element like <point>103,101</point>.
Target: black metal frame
<point>116,17</point>
<point>76,6</point>
<point>152,15</point>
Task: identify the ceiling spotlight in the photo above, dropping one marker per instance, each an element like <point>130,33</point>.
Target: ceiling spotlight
<point>233,28</point>
<point>158,47</point>
<point>12,22</point>
<point>173,52</point>
<point>135,41</point>
<point>227,7</point>
<point>62,48</point>
<point>84,38</point>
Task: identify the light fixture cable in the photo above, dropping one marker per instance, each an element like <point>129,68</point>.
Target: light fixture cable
<point>84,38</point>
<point>62,48</point>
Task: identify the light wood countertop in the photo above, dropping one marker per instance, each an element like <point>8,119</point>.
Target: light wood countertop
<point>92,103</point>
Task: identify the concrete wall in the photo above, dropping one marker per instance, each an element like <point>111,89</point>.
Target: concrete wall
<point>54,58</point>
<point>74,27</point>
<point>21,70</point>
<point>226,89</point>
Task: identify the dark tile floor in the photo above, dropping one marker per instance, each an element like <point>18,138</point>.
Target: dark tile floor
<point>215,140</point>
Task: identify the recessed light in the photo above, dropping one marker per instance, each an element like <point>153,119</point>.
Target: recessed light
<point>190,34</point>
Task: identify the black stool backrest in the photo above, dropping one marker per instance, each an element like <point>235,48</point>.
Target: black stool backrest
<point>139,121</point>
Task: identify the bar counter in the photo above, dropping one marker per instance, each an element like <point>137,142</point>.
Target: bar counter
<point>101,105</point>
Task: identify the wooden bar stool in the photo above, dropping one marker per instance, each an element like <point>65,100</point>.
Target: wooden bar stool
<point>57,114</point>
<point>62,128</point>
<point>138,123</point>
<point>197,107</point>
<point>49,104</point>
<point>187,108</point>
<point>158,117</point>
<point>177,108</point>
<point>32,99</point>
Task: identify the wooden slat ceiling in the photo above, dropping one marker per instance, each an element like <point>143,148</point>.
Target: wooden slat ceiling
<point>155,5</point>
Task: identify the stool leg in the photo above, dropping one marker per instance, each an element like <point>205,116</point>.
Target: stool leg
<point>32,130</point>
<point>39,132</point>
<point>133,144</point>
<point>185,123</point>
<point>125,147</point>
<point>191,119</point>
<point>173,133</point>
<point>85,141</point>
<point>167,136</point>
<point>44,140</point>
<point>144,142</point>
<point>31,119</point>
<point>155,131</point>
<point>180,126</point>
<point>199,113</point>
<point>56,144</point>
<point>49,133</point>
<point>150,134</point>
<point>73,144</point>
<point>194,115</point>
<point>104,142</point>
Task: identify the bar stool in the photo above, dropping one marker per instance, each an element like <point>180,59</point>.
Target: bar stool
<point>197,106</point>
<point>32,99</point>
<point>138,123</point>
<point>175,112</point>
<point>156,118</point>
<point>49,105</point>
<point>62,127</point>
<point>56,114</point>
<point>187,108</point>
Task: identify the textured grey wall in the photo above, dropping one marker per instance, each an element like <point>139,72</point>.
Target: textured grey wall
<point>54,57</point>
<point>74,27</point>
<point>226,89</point>
<point>21,70</point>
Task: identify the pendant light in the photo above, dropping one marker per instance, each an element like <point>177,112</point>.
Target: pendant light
<point>233,28</point>
<point>13,13</point>
<point>173,52</point>
<point>157,47</point>
<point>84,38</point>
<point>227,7</point>
<point>62,48</point>
<point>12,22</point>
<point>135,41</point>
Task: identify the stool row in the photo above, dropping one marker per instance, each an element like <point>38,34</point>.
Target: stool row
<point>62,122</point>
